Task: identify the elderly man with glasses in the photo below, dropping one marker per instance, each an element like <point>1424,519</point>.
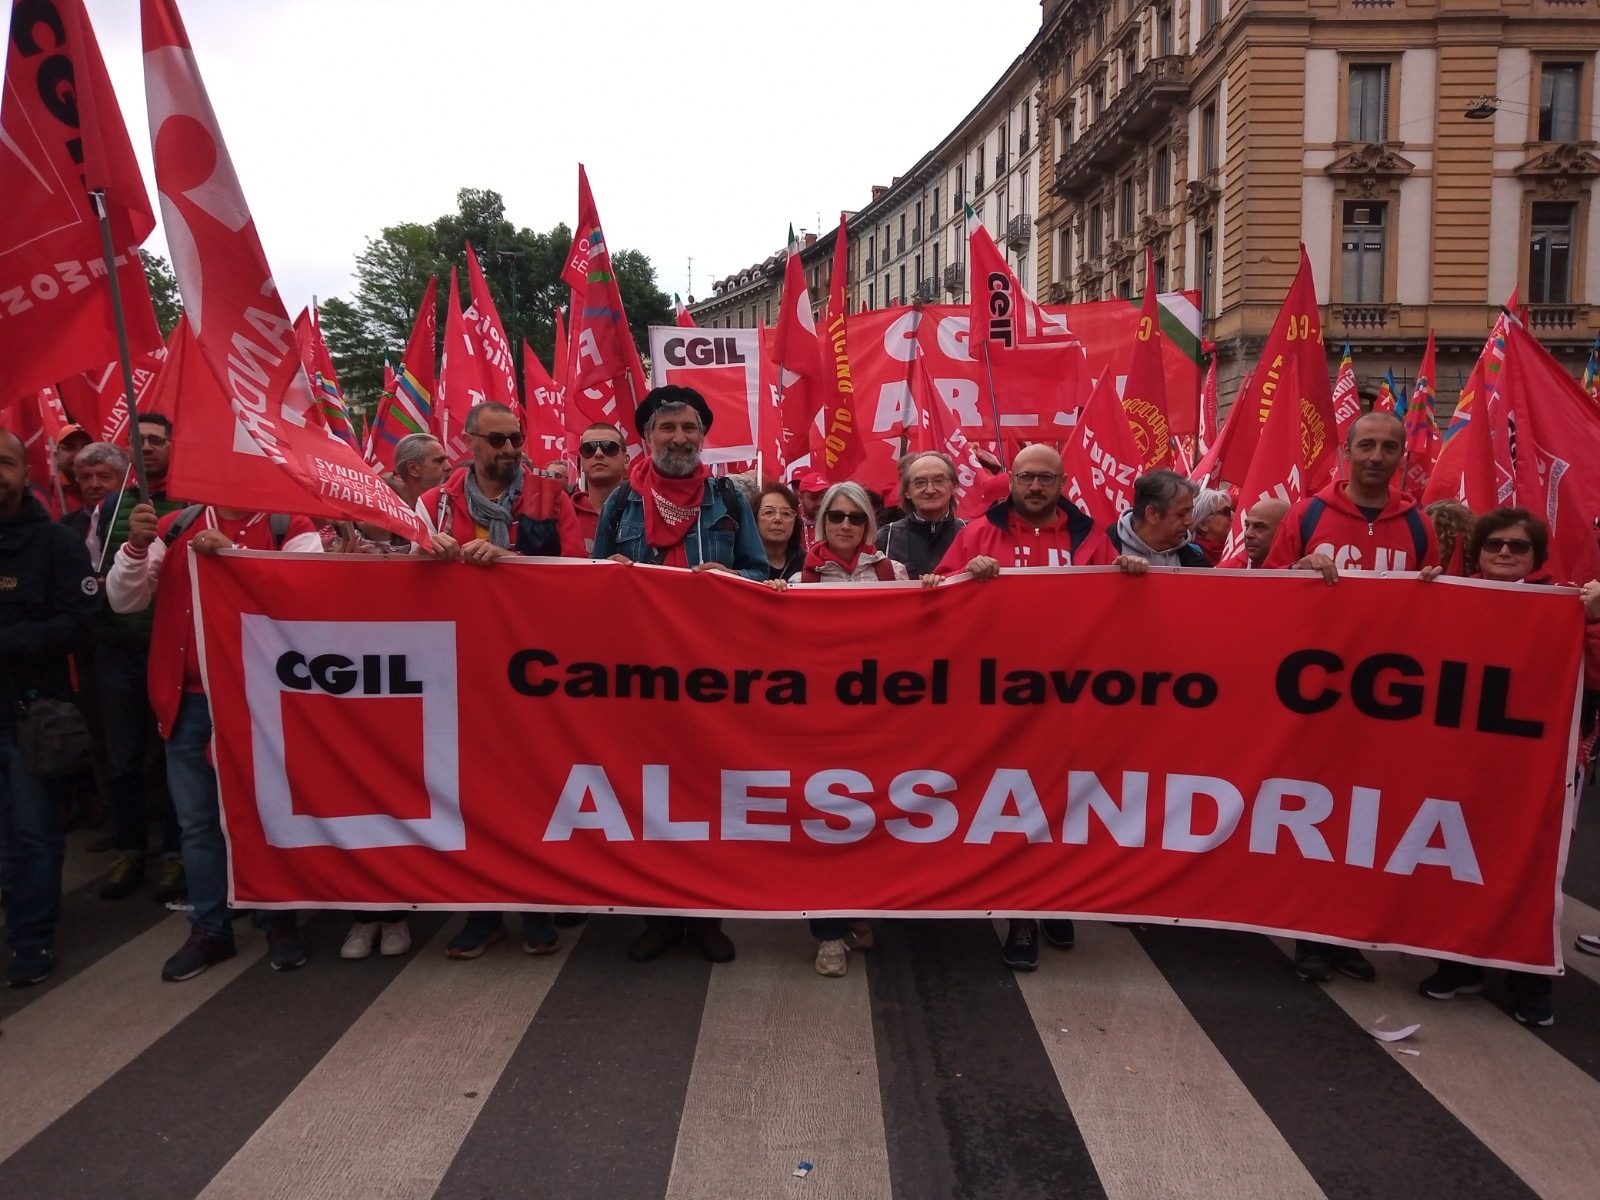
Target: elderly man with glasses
<point>920,539</point>
<point>496,507</point>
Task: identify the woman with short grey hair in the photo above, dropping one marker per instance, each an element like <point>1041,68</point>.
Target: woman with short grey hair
<point>1213,519</point>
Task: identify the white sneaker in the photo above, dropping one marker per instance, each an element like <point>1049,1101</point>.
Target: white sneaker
<point>358,942</point>
<point>860,936</point>
<point>396,938</point>
<point>832,958</point>
<point>1589,943</point>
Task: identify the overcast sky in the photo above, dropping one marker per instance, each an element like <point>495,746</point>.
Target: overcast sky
<point>707,126</point>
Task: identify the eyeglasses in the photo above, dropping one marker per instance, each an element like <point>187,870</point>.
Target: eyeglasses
<point>1028,478</point>
<point>1223,512</point>
<point>769,513</point>
<point>928,485</point>
<point>835,517</point>
<point>154,439</point>
<point>590,449</point>
<point>498,440</point>
<point>1516,545</point>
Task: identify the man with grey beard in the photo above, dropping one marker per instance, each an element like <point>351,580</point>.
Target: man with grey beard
<point>670,511</point>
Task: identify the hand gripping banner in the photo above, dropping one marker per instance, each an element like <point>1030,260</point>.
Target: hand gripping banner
<point>1240,750</point>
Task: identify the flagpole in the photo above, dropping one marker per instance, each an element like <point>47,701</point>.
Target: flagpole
<point>994,407</point>
<point>135,441</point>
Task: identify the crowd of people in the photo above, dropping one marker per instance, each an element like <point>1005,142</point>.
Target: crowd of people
<point>96,609</point>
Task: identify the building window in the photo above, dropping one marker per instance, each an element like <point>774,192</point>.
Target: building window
<point>1125,224</point>
<point>888,292</point>
<point>1125,288</point>
<point>1097,231</point>
<point>1100,29</point>
<point>1559,85</point>
<point>1550,254</point>
<point>935,276</point>
<point>1161,275</point>
<point>902,297</point>
<point>872,295</point>
<point>1361,252</point>
<point>1369,103</point>
<point>1097,97</point>
<point>1165,43</point>
<point>1211,14</point>
<point>1161,179</point>
<point>1210,154</point>
<point>936,207</point>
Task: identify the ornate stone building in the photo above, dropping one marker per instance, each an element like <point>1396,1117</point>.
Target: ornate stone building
<point>1431,154</point>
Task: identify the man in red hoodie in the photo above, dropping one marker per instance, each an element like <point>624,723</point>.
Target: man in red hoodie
<point>152,566</point>
<point>1363,524</point>
<point>1034,526</point>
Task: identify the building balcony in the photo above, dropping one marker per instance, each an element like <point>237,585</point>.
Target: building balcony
<point>954,277</point>
<point>1150,98</point>
<point>1019,231</point>
<point>927,292</point>
<point>900,245</point>
<point>977,184</point>
<point>1557,318</point>
<point>868,265</point>
<point>933,222</point>
<point>1364,316</point>
<point>1059,292</point>
<point>916,233</point>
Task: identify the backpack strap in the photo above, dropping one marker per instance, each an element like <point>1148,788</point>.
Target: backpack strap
<point>885,569</point>
<point>181,523</point>
<point>1419,534</point>
<point>622,494</point>
<point>1309,520</point>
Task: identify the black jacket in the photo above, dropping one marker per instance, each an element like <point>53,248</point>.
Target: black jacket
<point>919,544</point>
<point>49,598</point>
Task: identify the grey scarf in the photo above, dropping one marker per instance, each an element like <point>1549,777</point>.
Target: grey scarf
<point>494,515</point>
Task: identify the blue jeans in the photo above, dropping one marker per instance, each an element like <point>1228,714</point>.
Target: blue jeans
<point>193,784</point>
<point>120,678</point>
<point>32,842</point>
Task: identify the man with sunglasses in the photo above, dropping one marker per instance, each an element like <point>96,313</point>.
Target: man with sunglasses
<point>496,507</point>
<point>602,461</point>
<point>121,670</point>
<point>1360,524</point>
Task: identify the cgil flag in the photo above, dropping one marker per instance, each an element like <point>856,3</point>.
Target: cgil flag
<point>62,137</point>
<point>240,325</point>
<point>1144,393</point>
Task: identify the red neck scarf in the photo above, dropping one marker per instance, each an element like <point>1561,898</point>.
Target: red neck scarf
<point>671,506</point>
<point>821,552</point>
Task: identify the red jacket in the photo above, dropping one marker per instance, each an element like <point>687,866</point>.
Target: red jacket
<point>1070,540</point>
<point>546,522</point>
<point>1342,532</point>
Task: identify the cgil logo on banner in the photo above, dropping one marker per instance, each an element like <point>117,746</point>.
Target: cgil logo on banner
<point>313,688</point>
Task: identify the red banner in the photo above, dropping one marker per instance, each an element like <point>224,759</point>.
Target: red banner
<point>1309,767</point>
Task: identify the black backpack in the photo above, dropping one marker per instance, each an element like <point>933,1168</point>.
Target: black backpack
<point>1314,511</point>
<point>278,523</point>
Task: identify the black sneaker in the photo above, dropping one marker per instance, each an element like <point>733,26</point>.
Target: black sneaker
<point>1021,952</point>
<point>29,967</point>
<point>1059,934</point>
<point>1451,980</point>
<point>127,873</point>
<point>285,947</point>
<point>1535,1010</point>
<point>570,920</point>
<point>481,931</point>
<point>171,884</point>
<point>1311,962</point>
<point>202,950</point>
<point>1347,960</point>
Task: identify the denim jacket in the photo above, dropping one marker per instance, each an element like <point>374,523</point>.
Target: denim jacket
<point>719,535</point>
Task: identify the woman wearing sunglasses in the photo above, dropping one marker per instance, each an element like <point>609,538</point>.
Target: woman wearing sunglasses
<point>845,552</point>
<point>1510,545</point>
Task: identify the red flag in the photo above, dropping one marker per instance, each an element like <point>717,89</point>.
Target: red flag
<point>1422,432</point>
<point>240,325</point>
<point>1103,456</point>
<point>98,400</point>
<point>1296,337</point>
<point>1557,441</point>
<point>37,421</point>
<point>1209,426</point>
<point>483,325</point>
<point>1144,393</point>
<point>415,384</point>
<point>562,373</point>
<point>797,352</point>
<point>314,356</point>
<point>1465,468</point>
<point>546,421</point>
<point>1294,456</point>
<point>843,446</point>
<point>62,137</point>
<point>462,382</point>
<point>603,349</point>
<point>1003,316</point>
<point>1346,396</point>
